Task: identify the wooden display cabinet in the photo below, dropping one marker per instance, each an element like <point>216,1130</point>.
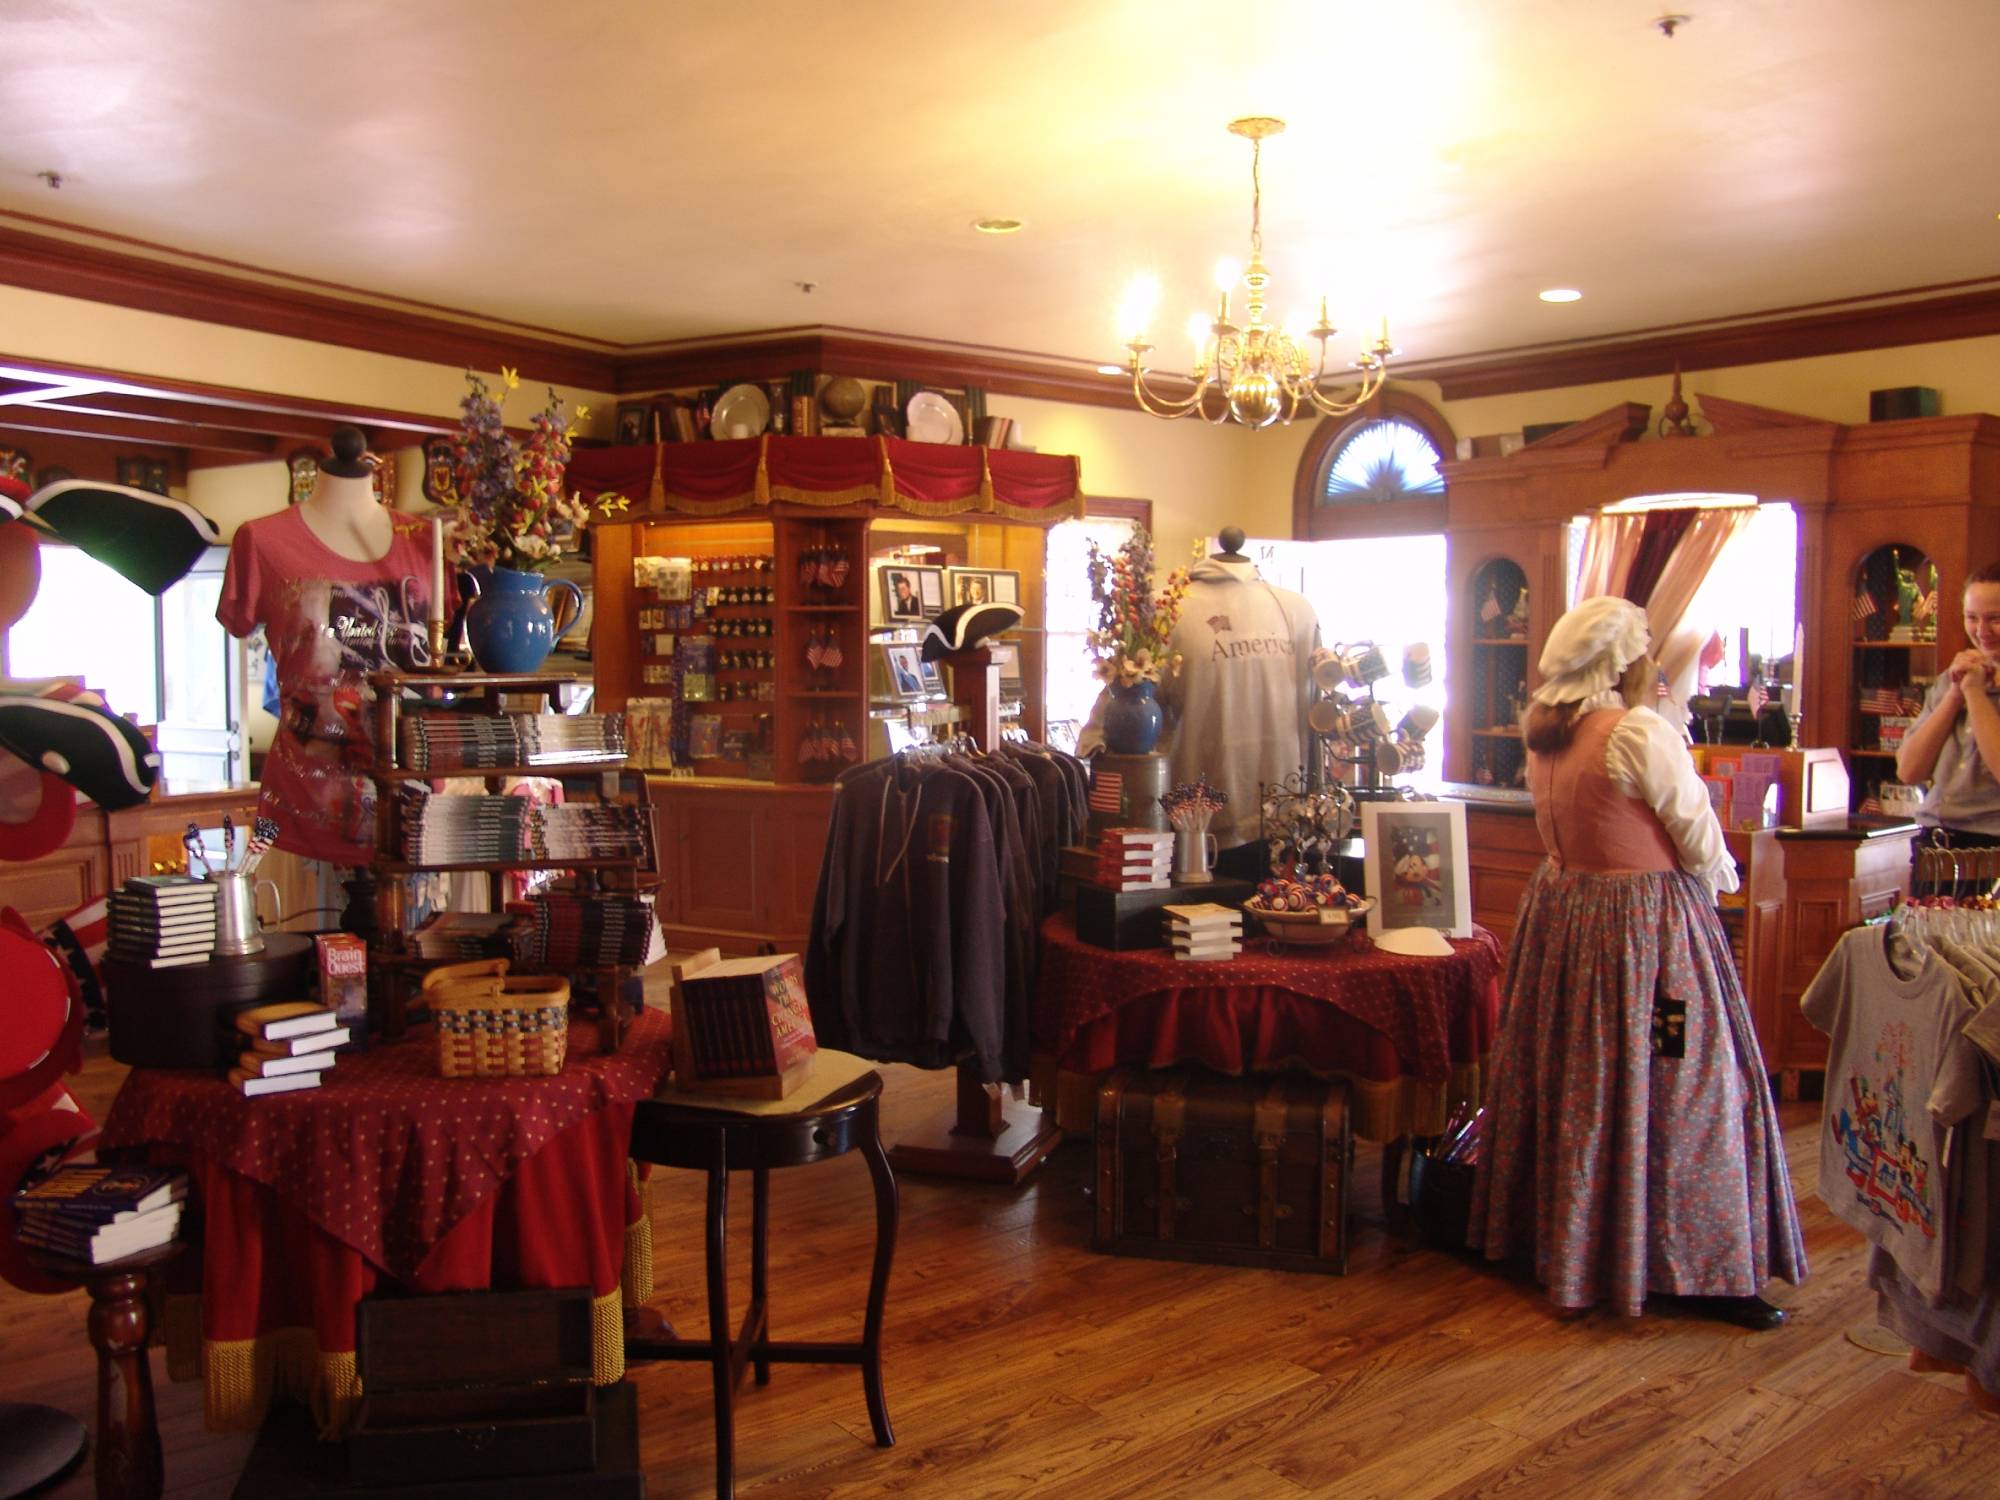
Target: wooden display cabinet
<point>1494,611</point>
<point>1891,658</point>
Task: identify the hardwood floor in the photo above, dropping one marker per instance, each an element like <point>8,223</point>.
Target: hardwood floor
<point>1018,1362</point>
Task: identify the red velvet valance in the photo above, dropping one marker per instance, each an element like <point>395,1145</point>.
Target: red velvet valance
<point>927,479</point>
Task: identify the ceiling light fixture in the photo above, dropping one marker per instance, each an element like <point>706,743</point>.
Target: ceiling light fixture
<point>1111,369</point>
<point>1561,294</point>
<point>997,226</point>
<point>1260,371</point>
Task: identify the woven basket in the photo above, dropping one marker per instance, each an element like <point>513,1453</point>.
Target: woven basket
<point>494,1025</point>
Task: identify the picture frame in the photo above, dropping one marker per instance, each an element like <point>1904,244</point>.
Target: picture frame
<point>634,424</point>
<point>982,586</point>
<point>301,474</point>
<point>1007,657</point>
<point>932,678</point>
<point>1417,867</point>
<point>902,668</point>
<point>440,471</point>
<point>910,593</point>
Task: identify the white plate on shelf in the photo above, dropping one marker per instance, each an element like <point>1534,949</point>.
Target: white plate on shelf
<point>742,411</point>
<point>933,419</point>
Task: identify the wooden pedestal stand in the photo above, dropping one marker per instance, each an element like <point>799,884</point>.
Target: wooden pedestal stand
<point>987,1136</point>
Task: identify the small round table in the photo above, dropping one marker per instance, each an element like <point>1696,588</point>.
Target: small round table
<point>718,1141</point>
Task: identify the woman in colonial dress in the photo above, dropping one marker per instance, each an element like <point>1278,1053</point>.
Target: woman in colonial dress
<point>1631,1144</point>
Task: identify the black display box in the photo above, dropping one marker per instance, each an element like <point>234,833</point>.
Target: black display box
<point>1124,920</point>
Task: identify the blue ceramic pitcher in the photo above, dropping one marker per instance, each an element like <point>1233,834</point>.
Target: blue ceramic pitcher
<point>511,627</point>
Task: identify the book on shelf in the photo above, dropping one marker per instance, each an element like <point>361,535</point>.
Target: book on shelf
<point>285,1019</point>
<point>301,1046</point>
<point>251,1085</point>
<point>99,1191</point>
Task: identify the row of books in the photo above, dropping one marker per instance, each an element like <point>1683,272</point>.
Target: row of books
<point>1204,931</point>
<point>455,742</point>
<point>287,1046</point>
<point>445,830</point>
<point>1134,859</point>
<point>575,931</point>
<point>161,921</point>
<point>95,1213</point>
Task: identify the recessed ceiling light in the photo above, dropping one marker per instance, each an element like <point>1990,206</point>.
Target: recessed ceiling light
<point>1111,369</point>
<point>1562,294</point>
<point>997,226</point>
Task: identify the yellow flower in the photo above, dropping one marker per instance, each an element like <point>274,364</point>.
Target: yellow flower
<point>582,412</point>
<point>510,378</point>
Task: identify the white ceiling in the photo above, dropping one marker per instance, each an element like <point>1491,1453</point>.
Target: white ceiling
<point>636,172</point>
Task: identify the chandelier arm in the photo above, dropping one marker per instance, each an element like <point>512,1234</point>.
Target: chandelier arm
<point>1154,404</point>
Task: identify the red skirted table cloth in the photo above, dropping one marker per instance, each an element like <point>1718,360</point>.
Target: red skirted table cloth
<point>389,1174</point>
<point>1409,1034</point>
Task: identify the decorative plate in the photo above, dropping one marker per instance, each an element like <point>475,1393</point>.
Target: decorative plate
<point>934,419</point>
<point>743,407</point>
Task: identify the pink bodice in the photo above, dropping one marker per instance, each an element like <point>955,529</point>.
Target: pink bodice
<point>1587,824</point>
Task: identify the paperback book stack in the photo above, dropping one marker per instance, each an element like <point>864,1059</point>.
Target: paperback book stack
<point>454,935</point>
<point>470,742</point>
<point>288,1046</point>
<point>575,931</point>
<point>586,830</point>
<point>453,830</point>
<point>98,1213</point>
<point>161,921</point>
<point>1135,859</point>
<point>1204,931</point>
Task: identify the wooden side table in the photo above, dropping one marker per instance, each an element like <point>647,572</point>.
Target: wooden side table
<point>719,1141</point>
<point>129,1465</point>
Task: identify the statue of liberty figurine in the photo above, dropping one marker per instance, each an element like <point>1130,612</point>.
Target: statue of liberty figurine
<point>1906,596</point>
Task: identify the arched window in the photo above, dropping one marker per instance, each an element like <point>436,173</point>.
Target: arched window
<point>1381,459</point>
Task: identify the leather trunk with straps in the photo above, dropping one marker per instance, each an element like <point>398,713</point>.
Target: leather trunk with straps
<point>1250,1171</point>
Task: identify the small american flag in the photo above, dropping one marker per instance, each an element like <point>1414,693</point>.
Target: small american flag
<point>1107,791</point>
<point>1864,605</point>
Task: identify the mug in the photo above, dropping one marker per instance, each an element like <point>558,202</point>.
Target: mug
<point>1194,853</point>
<point>236,927</point>
<point>1417,664</point>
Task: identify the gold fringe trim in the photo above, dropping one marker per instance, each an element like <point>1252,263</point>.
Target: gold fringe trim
<point>1382,1111</point>
<point>607,1338</point>
<point>1046,515</point>
<point>986,500</point>
<point>764,468</point>
<point>848,496</point>
<point>180,1334</point>
<point>636,1279</point>
<point>656,492</point>
<point>240,1376</point>
<point>966,507</point>
<point>723,507</point>
<point>336,1401</point>
<point>887,494</point>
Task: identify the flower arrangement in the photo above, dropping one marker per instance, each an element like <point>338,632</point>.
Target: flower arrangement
<point>1134,625</point>
<point>512,510</point>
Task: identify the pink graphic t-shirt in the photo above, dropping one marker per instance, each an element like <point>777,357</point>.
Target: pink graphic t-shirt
<point>330,621</point>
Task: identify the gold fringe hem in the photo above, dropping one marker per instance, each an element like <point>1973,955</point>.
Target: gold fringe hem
<point>686,505</point>
<point>607,1329</point>
<point>636,1279</point>
<point>850,496</point>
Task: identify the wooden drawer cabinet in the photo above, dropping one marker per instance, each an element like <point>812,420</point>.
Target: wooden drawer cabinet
<point>739,861</point>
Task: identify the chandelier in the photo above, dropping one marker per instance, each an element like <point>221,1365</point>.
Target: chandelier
<point>1260,370</point>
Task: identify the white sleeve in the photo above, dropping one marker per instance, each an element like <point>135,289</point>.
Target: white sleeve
<point>1646,759</point>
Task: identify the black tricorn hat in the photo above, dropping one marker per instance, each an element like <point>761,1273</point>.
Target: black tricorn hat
<point>964,626</point>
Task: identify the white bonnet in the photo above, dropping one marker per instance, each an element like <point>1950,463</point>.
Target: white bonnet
<point>1590,648</point>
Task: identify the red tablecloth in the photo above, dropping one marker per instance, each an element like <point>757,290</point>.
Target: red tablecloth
<point>1412,1033</point>
<point>307,1200</point>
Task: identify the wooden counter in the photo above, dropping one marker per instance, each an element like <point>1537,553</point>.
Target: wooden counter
<point>738,860</point>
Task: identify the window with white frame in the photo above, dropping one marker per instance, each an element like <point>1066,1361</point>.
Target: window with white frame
<point>164,661</point>
<point>1069,679</point>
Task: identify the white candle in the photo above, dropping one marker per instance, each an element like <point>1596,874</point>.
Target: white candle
<point>1799,675</point>
<point>437,566</point>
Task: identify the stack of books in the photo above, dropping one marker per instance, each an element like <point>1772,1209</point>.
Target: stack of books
<point>161,921</point>
<point>1134,859</point>
<point>574,931</point>
<point>100,1213</point>
<point>452,830</point>
<point>467,742</point>
<point>586,830</point>
<point>453,935</point>
<point>1204,931</point>
<point>291,1044</point>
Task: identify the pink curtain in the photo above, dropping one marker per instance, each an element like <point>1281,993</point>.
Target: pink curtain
<point>1707,534</point>
<point>1609,545</point>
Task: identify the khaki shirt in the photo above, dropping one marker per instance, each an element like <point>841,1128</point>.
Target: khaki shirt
<point>1962,793</point>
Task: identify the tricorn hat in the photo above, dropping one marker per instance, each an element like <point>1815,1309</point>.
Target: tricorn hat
<point>964,626</point>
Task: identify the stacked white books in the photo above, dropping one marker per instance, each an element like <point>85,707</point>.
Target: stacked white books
<point>290,1045</point>
<point>1135,859</point>
<point>1204,931</point>
<point>100,1213</point>
<point>162,921</point>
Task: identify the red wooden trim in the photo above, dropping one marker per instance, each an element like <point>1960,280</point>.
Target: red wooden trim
<point>1123,510</point>
<point>69,269</point>
<point>1312,521</point>
<point>58,420</point>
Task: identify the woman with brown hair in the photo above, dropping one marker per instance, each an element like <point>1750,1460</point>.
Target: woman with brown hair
<point>1953,748</point>
<point>1631,1143</point>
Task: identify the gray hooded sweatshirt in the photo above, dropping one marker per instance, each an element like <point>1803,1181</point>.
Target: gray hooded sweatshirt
<point>1237,711</point>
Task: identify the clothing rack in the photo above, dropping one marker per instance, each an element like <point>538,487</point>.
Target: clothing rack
<point>1958,873</point>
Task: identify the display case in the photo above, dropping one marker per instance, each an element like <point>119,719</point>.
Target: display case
<point>1494,638</point>
<point>1894,658</point>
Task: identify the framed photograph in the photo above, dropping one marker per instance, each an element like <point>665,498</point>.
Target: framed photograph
<point>904,667</point>
<point>911,593</point>
<point>933,679</point>
<point>1417,868</point>
<point>634,424</point>
<point>1007,656</point>
<point>982,586</point>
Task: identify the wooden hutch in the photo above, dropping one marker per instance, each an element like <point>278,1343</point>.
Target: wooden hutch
<point>741,841</point>
<point>1916,493</point>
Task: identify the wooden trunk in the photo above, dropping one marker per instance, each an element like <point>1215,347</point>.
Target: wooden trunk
<point>1241,1171</point>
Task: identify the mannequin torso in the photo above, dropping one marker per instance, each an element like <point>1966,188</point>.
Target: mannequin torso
<point>346,517</point>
